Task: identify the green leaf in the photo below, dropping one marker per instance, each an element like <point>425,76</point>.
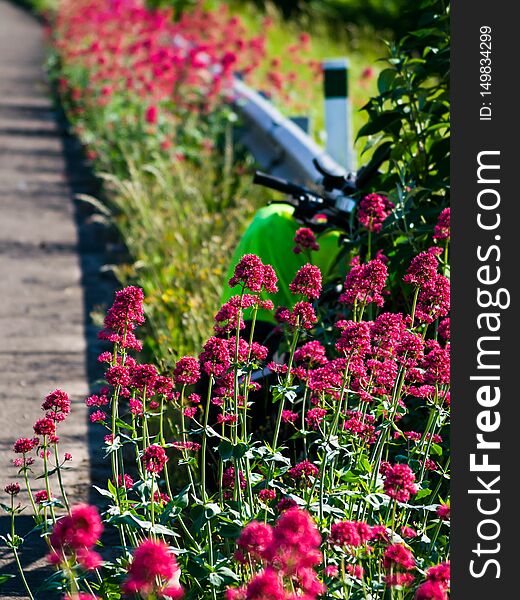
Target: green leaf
<point>436,449</point>
<point>385,80</point>
<point>123,425</point>
<point>423,494</point>
<point>228,575</point>
<point>215,579</point>
<point>6,577</point>
<point>103,492</point>
<point>382,122</point>
<point>225,449</point>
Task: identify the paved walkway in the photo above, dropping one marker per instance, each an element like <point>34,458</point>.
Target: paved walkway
<point>44,277</point>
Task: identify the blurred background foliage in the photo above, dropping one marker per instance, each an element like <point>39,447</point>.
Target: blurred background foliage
<point>399,68</point>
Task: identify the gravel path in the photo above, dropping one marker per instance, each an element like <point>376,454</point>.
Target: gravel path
<point>49,265</point>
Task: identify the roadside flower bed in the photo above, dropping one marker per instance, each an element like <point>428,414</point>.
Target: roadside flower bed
<point>343,494</point>
<point>319,469</point>
<point>149,99</point>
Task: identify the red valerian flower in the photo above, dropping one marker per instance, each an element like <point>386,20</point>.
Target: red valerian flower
<point>355,338</point>
<point>126,481</point>
<point>288,416</point>
<point>431,590</point>
<point>98,417</point>
<point>441,230</point>
<point>41,496</point>
<point>254,540</point>
<point>229,479</point>
<point>286,504</point>
<point>303,470</point>
<point>24,445</point>
<point>81,529</point>
<point>215,357</point>
<point>356,571</point>
<point>399,579</point>
<point>304,239</point>
<point>444,329</point>
<point>303,316</point>
<point>12,489</point>
<point>143,376</point>
<point>57,405</point>
<point>434,299</point>
<point>350,533</point>
<point>364,284</point>
<point>151,115</point>
<point>374,209</point>
<point>229,317</point>
<point>187,370</point>
<point>312,353</point>
<point>96,400</point>
<point>423,267</point>
<point>315,416</point>
<point>45,426</point>
<point>398,556</point>
<point>408,532</point>
<point>124,315</point>
<point>75,534</point>
<point>307,282</point>
<point>399,482</point>
<point>266,495</point>
<point>444,512</point>
<point>254,275</point>
<point>296,542</point>
<point>436,364</point>
<point>118,375</point>
<point>440,573</point>
<point>266,586</point>
<point>153,569</point>
<point>331,571</point>
<point>188,446</point>
<point>154,458</point>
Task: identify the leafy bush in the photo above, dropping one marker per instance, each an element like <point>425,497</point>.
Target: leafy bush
<point>396,16</point>
<point>409,121</point>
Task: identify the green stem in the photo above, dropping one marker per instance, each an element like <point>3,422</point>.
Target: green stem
<point>414,305</point>
<point>288,381</point>
<point>58,470</point>
<point>29,491</point>
<point>205,442</point>
<point>46,476</point>
<point>152,506</point>
<point>15,553</point>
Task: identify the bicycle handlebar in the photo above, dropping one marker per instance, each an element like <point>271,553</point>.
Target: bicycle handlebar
<point>278,184</point>
<point>336,199</point>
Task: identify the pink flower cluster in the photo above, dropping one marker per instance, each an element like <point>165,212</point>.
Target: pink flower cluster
<point>288,553</point>
<point>305,239</point>
<point>125,314</point>
<point>253,275</point>
<point>153,570</point>
<point>364,284</point>
<point>154,458</point>
<point>74,535</point>
<point>442,228</point>
<point>399,482</point>
<point>373,211</point>
<point>307,282</point>
<point>437,584</point>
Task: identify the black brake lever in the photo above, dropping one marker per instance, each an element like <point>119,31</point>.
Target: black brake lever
<point>331,181</point>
